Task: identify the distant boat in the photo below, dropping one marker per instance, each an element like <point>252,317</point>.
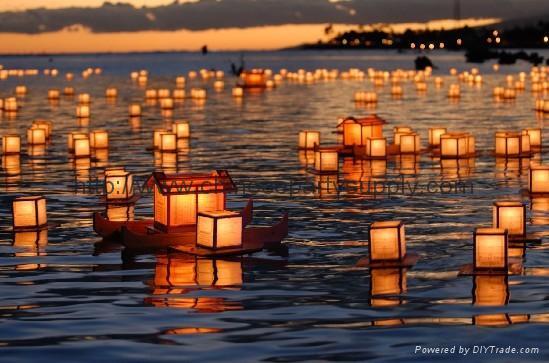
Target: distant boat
<point>204,49</point>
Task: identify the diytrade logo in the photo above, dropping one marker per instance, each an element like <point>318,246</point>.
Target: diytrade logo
<point>475,350</point>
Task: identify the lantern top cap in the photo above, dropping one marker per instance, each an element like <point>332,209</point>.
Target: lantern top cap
<point>316,131</point>
<point>220,214</point>
<point>176,122</point>
<point>490,231</point>
<point>218,181</point>
<point>438,128</point>
<point>369,120</point>
<point>11,135</point>
<point>28,198</point>
<point>507,134</point>
<point>509,203</point>
<point>454,134</point>
<point>386,224</point>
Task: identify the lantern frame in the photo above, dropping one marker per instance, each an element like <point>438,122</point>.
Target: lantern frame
<point>304,139</point>
<point>497,214</point>
<point>534,169</point>
<point>128,186</point>
<point>216,216</point>
<point>520,139</point>
<point>398,226</point>
<point>9,150</point>
<point>483,231</point>
<point>319,164</point>
<point>369,150</point>
<point>434,136</point>
<point>36,200</point>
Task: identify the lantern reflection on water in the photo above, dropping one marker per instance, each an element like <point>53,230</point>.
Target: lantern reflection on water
<point>511,216</point>
<point>120,213</point>
<point>219,229</point>
<point>385,283</point>
<point>490,249</point>
<point>30,243</point>
<point>308,139</point>
<point>11,144</point>
<point>538,179</point>
<point>178,198</point>
<point>29,213</point>
<point>387,241</point>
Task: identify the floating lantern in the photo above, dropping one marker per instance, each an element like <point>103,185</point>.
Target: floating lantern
<point>179,94</point>
<point>198,94</point>
<point>166,104</point>
<point>308,139</point>
<point>219,85</point>
<point>538,179</point>
<point>219,229</point>
<point>99,139</point>
<point>134,110</point>
<point>511,216</point>
<point>512,144</point>
<point>454,91</point>
<point>498,91</point>
<point>82,111</point>
<point>81,147</point>
<point>151,94</point>
<point>454,145</point>
<point>539,105</point>
<point>157,136</point>
<point>387,241</point>
<point>29,213</point>
<point>67,91</point>
<point>163,93</point>
<point>182,129</point>
<point>421,86</point>
<point>434,135</point>
<point>36,136</point>
<point>490,249</point>
<point>535,136</point>
<point>111,92</point>
<point>509,94</point>
<point>397,90</point>
<point>180,81</point>
<point>355,131</point>
<point>168,142</point>
<point>238,92</point>
<point>326,160</point>
<point>20,90</point>
<point>11,144</point>
<point>73,136</point>
<point>365,96</point>
<point>118,185</point>
<point>376,147</point>
<point>178,198</point>
<point>410,143</point>
<point>255,78</point>
<point>44,124</point>
<point>84,98</point>
<point>10,104</point>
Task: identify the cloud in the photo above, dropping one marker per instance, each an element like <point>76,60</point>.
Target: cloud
<point>216,14</point>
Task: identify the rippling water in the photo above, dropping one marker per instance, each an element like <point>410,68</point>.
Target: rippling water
<point>68,298</point>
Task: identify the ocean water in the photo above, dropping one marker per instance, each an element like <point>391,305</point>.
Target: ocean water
<point>68,297</point>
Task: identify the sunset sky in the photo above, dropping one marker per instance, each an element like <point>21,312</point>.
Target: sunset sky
<point>30,4</point>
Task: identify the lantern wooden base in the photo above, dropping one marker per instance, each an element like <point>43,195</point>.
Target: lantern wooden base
<point>515,268</point>
<point>409,260</point>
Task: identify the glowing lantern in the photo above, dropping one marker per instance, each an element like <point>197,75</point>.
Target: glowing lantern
<point>67,91</point>
<point>11,144</point>
<point>163,93</point>
<point>118,185</point>
<point>454,91</point>
<point>21,90</point>
<point>509,94</point>
<point>434,135</point>
<point>538,179</point>
<point>219,229</point>
<point>73,136</point>
<point>157,137</point>
<point>410,143</point>
<point>398,131</point>
<point>53,94</point>
<point>151,94</point>
<point>498,91</point>
<point>134,110</point>
<point>396,90</point>
<point>36,136</point>
<point>454,145</point>
<point>84,98</point>
<point>179,94</point>
<point>387,241</point>
<point>44,124</point>
<point>168,142</point>
<point>421,86</point>
<point>182,129</point>
<point>326,160</point>
<point>111,92</point>
<point>355,131</point>
<point>198,93</point>
<point>180,81</point>
<point>308,139</point>
<point>376,147</point>
<point>81,147</point>
<point>510,216</point>
<point>82,111</point>
<point>535,136</point>
<point>178,198</point>
<point>255,78</point>
<point>29,213</point>
<point>490,249</point>
<point>238,92</point>
<point>512,144</point>
<point>10,104</point>
<point>99,139</point>
<point>219,85</point>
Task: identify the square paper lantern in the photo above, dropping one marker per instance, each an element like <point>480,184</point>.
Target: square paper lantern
<point>53,94</point>
<point>308,139</point>
<point>182,129</point>
<point>73,136</point>
<point>454,145</point>
<point>44,124</point>
<point>29,213</point>
<point>134,110</point>
<point>36,136</point>
<point>99,139</point>
<point>84,98</point>
<point>219,229</point>
<point>387,241</point>
<point>326,160</point>
<point>168,142</point>
<point>538,179</point>
<point>535,136</point>
<point>111,92</point>
<point>410,143</point>
<point>376,147</point>
<point>157,137</point>
<point>82,147</point>
<point>490,249</point>
<point>511,216</point>
<point>166,103</point>
<point>512,144</point>
<point>82,111</point>
<point>434,135</point>
<point>118,185</point>
<point>11,144</point>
